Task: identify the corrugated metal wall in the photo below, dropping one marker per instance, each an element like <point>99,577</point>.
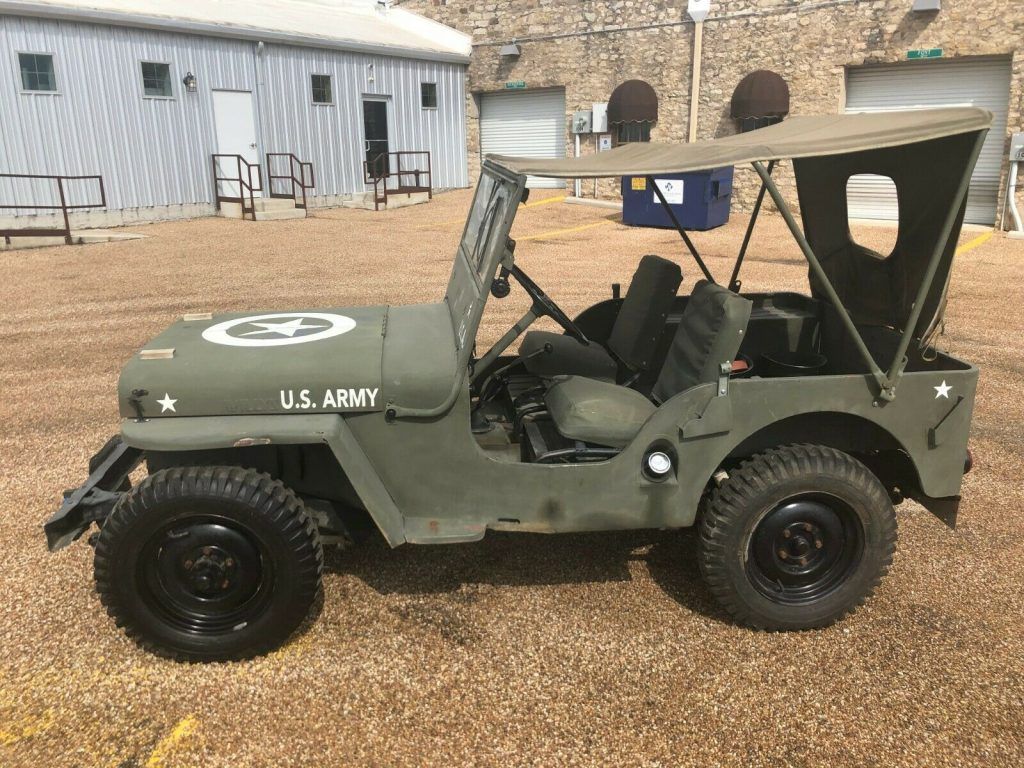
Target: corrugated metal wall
<point>155,152</point>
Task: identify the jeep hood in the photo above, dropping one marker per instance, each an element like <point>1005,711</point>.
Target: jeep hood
<point>304,361</point>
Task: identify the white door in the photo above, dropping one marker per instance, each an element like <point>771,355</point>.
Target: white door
<point>917,85</point>
<point>235,122</point>
<point>527,124</point>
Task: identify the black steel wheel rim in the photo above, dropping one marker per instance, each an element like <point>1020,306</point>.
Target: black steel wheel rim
<point>205,574</point>
<point>804,548</point>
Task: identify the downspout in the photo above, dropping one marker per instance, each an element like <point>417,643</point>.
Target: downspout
<point>698,42</point>
<point>698,10</point>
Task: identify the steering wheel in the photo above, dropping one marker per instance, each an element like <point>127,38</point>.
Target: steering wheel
<point>545,305</point>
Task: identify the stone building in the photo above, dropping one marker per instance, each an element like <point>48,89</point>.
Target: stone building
<point>835,55</point>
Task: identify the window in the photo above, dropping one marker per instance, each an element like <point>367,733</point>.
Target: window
<point>428,95</point>
<point>873,197</point>
<point>322,93</point>
<point>37,72</point>
<point>156,80</point>
<point>634,131</point>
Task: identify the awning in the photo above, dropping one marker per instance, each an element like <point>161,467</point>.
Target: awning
<point>760,94</point>
<point>794,138</point>
<point>633,101</point>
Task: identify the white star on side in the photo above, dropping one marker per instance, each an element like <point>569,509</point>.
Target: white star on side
<point>288,329</point>
<point>942,390</point>
<point>167,404</point>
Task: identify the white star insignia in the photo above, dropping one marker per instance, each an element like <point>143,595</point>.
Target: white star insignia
<point>167,404</point>
<point>289,328</point>
<point>942,390</point>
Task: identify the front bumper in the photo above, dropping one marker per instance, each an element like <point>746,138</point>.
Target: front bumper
<point>95,498</point>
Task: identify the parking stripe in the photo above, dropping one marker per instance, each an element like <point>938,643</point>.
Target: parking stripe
<point>182,730</point>
<point>972,244</point>
<point>545,201</point>
<point>555,232</point>
<point>27,728</point>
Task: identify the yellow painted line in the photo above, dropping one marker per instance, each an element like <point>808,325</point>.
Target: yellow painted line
<point>556,232</point>
<point>545,201</point>
<point>181,731</point>
<point>27,728</point>
<point>972,244</point>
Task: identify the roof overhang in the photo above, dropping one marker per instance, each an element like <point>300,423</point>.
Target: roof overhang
<point>457,52</point>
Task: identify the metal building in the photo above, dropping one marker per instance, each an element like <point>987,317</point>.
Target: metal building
<point>145,92</point>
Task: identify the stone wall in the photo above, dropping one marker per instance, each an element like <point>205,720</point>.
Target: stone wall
<point>590,47</point>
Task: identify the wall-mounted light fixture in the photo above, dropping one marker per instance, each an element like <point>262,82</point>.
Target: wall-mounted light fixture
<point>189,81</point>
<point>369,73</point>
<point>926,5</point>
<point>511,50</point>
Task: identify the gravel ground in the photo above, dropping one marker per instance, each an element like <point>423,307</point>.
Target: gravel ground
<point>520,650</point>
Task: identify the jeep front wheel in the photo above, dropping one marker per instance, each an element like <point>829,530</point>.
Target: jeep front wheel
<point>209,563</point>
<point>796,538</point>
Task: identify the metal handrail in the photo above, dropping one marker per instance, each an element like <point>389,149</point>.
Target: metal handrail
<point>382,168</point>
<point>299,184</point>
<point>244,184</point>
<point>64,206</point>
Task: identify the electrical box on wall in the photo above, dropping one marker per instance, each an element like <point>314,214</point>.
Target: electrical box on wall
<point>599,124</point>
<point>582,121</point>
<point>1017,148</point>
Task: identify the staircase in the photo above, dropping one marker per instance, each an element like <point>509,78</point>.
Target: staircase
<point>265,209</point>
<point>239,191</point>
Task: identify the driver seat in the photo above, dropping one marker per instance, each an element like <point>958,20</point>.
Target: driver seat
<point>709,334</point>
<point>634,336</point>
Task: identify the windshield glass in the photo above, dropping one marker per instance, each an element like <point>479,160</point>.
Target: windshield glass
<point>489,206</point>
<point>481,247</point>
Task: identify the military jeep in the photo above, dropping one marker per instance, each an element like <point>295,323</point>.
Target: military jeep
<point>766,419</point>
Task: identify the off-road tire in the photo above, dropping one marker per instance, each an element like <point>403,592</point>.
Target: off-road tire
<point>280,559</point>
<point>734,559</point>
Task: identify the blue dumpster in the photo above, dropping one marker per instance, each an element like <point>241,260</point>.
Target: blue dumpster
<point>700,200</point>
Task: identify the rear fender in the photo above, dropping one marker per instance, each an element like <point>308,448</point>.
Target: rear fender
<point>218,432</point>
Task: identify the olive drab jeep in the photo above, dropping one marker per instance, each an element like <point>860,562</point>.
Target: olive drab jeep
<point>785,425</point>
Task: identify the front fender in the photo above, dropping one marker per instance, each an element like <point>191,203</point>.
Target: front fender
<point>212,432</point>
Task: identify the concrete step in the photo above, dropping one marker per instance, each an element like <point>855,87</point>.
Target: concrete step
<point>364,200</point>
<point>78,237</point>
<point>266,209</point>
<point>280,215</point>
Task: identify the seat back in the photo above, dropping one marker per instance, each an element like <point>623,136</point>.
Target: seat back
<point>709,334</point>
<point>641,318</point>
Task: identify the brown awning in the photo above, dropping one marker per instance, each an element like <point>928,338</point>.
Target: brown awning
<point>633,101</point>
<point>760,94</point>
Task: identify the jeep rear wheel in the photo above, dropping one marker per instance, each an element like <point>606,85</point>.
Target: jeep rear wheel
<point>209,563</point>
<point>796,538</point>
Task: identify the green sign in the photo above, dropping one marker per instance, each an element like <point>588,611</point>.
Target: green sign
<point>515,84</point>
<point>925,53</point>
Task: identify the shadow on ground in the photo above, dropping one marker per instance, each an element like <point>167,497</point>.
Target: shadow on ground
<point>529,560</point>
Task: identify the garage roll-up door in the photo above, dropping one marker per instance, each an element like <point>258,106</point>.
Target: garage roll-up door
<point>524,123</point>
<point>917,85</point>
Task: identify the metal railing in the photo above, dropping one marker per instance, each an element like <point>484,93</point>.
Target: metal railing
<point>394,165</point>
<point>299,184</point>
<point>243,180</point>
<point>64,206</point>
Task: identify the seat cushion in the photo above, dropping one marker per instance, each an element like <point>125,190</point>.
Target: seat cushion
<point>597,411</point>
<point>709,334</point>
<point>641,319</point>
<point>567,357</point>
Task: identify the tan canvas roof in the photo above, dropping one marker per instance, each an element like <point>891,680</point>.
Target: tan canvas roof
<point>817,136</point>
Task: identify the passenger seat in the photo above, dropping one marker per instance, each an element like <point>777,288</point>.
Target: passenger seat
<point>634,336</point>
<point>709,334</point>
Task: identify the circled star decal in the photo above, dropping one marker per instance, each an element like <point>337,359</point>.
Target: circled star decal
<point>279,329</point>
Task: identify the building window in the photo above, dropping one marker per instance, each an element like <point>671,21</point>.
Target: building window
<point>156,80</point>
<point>322,93</point>
<point>626,133</point>
<point>37,72</point>
<point>428,95</point>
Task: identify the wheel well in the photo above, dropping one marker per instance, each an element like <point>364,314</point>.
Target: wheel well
<point>873,445</point>
<point>311,471</point>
